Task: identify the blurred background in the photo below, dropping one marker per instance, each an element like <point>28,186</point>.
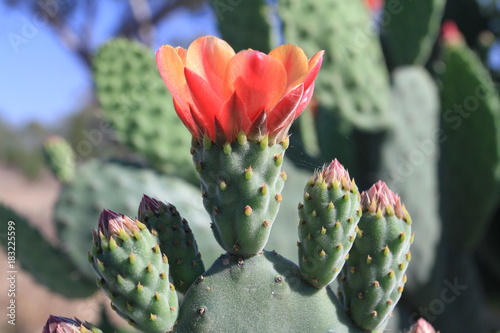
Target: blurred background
<point>50,85</point>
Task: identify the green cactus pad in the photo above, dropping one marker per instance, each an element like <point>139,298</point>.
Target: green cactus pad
<point>244,24</point>
<point>60,158</point>
<point>134,273</point>
<point>176,241</point>
<point>409,159</point>
<point>268,290</point>
<point>373,276</point>
<point>470,149</point>
<point>47,264</point>
<point>139,106</point>
<point>411,28</point>
<point>353,82</point>
<point>241,184</point>
<point>119,187</point>
<point>328,220</point>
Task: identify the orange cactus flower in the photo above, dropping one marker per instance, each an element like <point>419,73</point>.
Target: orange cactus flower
<point>219,93</point>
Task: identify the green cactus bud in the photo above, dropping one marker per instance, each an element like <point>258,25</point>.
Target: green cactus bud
<point>133,274</point>
<point>328,218</point>
<point>373,277</point>
<point>56,324</point>
<point>176,241</point>
<point>60,158</point>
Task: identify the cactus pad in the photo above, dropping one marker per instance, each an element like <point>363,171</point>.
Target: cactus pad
<point>241,184</point>
<point>373,277</point>
<point>176,241</point>
<point>135,100</point>
<point>269,289</point>
<point>133,273</point>
<point>328,220</point>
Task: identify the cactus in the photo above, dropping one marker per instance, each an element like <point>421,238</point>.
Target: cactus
<point>176,240</point>
<point>244,24</point>
<point>373,277</point>
<point>133,98</point>
<point>328,220</point>
<point>133,272</point>
<point>410,29</point>
<point>470,119</point>
<point>353,84</point>
<point>45,262</point>
<point>378,124</point>
<point>95,188</point>
<point>60,158</point>
<point>239,160</point>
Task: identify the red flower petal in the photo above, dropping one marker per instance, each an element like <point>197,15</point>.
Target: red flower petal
<point>172,72</point>
<point>260,80</point>
<point>207,103</point>
<point>295,62</point>
<point>314,66</point>
<point>186,118</point>
<point>304,101</point>
<point>233,117</point>
<point>283,113</point>
<point>208,57</point>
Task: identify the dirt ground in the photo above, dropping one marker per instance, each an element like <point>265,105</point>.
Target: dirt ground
<point>34,200</point>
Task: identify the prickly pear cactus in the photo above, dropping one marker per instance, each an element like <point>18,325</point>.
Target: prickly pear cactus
<point>328,223</point>
<point>411,28</point>
<point>133,272</point>
<point>353,83</point>
<point>60,158</point>
<point>470,121</point>
<point>96,188</point>
<point>239,123</point>
<point>134,99</point>
<point>373,277</point>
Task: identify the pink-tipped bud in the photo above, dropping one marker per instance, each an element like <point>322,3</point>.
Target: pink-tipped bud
<point>422,326</point>
<point>57,324</point>
<point>148,206</point>
<point>380,197</point>
<point>451,34</point>
<point>151,206</point>
<point>113,224</point>
<point>334,173</point>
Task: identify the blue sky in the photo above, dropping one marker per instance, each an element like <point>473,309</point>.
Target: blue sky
<point>40,80</point>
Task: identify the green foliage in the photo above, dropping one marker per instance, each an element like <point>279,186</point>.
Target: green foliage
<point>409,157</point>
<point>46,263</point>
<point>60,158</point>
<point>353,83</point>
<point>136,101</point>
<point>411,29</point>
<point>244,24</point>
<point>470,121</point>
<point>119,187</point>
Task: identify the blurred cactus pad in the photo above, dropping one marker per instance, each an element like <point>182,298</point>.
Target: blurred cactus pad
<point>376,210</point>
